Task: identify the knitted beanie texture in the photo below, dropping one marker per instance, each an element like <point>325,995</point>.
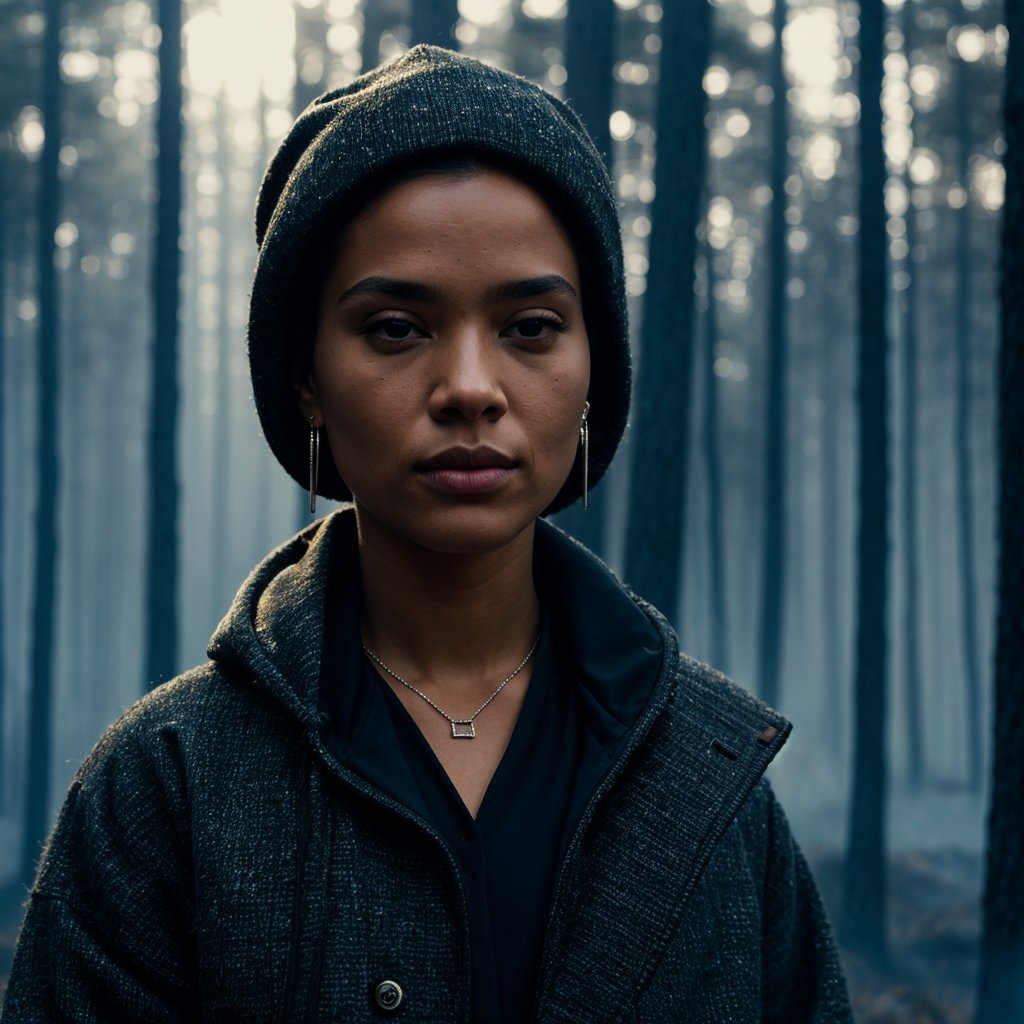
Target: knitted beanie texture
<point>426,104</point>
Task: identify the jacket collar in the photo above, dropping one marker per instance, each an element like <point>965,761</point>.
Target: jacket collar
<point>274,631</point>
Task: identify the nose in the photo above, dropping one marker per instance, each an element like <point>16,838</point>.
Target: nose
<point>467,378</point>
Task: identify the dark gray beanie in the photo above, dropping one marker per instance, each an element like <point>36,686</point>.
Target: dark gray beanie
<point>420,107</point>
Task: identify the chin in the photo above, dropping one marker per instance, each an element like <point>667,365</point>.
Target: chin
<point>459,529</point>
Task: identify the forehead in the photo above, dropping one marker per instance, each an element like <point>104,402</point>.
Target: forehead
<point>440,223</point>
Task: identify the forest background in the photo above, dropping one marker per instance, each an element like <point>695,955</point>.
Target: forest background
<point>744,141</point>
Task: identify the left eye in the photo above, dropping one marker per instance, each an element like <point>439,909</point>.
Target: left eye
<point>536,327</point>
<point>392,329</point>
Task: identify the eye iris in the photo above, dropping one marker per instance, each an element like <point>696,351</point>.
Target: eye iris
<point>531,328</point>
<point>395,330</point>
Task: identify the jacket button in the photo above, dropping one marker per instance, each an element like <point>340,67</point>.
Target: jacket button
<point>388,995</point>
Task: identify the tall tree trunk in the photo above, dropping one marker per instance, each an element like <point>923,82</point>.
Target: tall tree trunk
<point>310,56</point>
<point>864,874</point>
<point>434,21</point>
<point>964,475</point>
<point>1000,979</point>
<point>48,426</point>
<point>377,19</point>
<point>773,554</point>
<point>711,450</point>
<point>4,342</point>
<point>162,541</point>
<point>262,533</point>
<point>654,534</point>
<point>309,39</point>
<point>911,595</point>
<point>831,541</point>
<point>589,59</point>
<point>220,481</point>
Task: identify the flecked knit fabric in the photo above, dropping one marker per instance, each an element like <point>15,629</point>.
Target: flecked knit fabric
<point>214,862</point>
<point>424,104</point>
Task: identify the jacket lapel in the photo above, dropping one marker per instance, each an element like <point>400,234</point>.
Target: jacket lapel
<point>646,839</point>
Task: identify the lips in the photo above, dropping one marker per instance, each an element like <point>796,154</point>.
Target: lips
<point>466,471</point>
<point>466,458</point>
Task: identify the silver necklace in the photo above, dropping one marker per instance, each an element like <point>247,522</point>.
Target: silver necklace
<point>462,728</point>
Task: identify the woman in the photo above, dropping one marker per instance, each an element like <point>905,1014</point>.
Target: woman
<point>441,764</point>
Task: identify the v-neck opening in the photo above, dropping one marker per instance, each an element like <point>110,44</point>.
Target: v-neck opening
<point>517,739</point>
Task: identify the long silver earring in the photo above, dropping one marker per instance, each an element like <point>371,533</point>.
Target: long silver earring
<point>585,445</point>
<point>314,463</point>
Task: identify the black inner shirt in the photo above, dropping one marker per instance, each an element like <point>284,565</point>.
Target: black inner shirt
<point>509,855</point>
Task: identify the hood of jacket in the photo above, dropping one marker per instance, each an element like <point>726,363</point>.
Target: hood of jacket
<point>273,634</point>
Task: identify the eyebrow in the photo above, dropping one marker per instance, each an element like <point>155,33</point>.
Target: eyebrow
<point>414,291</point>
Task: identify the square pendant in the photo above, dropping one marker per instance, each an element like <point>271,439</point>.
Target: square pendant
<point>463,730</point>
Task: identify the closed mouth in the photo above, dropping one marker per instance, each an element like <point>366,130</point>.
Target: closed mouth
<point>467,458</point>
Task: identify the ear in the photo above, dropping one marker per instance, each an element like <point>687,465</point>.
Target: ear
<point>309,403</point>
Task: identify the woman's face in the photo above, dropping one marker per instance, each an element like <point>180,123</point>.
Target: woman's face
<point>451,363</point>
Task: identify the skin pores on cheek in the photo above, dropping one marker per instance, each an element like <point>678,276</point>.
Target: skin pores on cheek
<point>451,364</point>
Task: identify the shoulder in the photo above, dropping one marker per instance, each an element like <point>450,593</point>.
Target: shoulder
<point>147,731</point>
<point>205,704</point>
<point>194,737</point>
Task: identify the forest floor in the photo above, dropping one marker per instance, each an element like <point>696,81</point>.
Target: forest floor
<point>934,924</point>
<point>933,927</point>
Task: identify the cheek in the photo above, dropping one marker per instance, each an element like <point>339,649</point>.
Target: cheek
<point>360,410</point>
<point>557,412</point>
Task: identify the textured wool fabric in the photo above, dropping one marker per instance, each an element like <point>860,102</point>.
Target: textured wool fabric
<point>213,861</point>
<point>423,105</point>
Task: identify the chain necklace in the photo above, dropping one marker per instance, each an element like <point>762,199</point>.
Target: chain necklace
<point>462,728</point>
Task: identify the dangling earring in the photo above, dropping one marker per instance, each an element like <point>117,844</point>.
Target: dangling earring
<point>585,445</point>
<point>314,464</point>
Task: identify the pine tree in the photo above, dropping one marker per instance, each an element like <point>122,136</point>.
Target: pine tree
<point>589,58</point>
<point>162,540</point>
<point>908,365</point>
<point>654,535</point>
<point>44,601</point>
<point>434,21</point>
<point>862,922</point>
<point>773,558</point>
<point>964,474</point>
<point>712,454</point>
<point>1000,979</point>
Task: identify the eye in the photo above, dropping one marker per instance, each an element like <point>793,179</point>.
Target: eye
<point>537,328</point>
<point>392,329</point>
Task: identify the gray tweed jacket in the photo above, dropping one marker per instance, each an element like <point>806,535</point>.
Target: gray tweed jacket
<point>213,862</point>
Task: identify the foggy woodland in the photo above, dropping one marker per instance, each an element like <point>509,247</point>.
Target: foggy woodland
<point>822,205</point>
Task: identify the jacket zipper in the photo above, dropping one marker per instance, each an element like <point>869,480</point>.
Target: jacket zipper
<point>636,737</point>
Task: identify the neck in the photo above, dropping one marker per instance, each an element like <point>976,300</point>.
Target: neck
<point>461,620</point>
